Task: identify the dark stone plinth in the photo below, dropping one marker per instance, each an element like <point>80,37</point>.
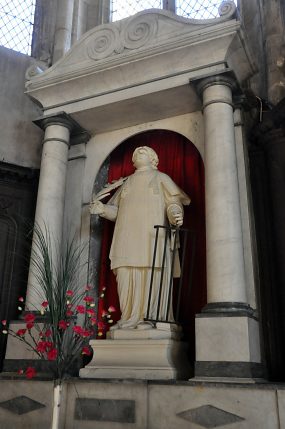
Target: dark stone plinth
<point>229,369</point>
<point>105,410</point>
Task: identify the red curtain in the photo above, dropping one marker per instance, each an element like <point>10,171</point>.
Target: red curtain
<point>178,158</point>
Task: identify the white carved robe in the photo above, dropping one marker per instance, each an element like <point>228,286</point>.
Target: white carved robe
<point>144,200</point>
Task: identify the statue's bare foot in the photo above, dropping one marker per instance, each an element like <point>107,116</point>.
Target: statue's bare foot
<point>145,325</point>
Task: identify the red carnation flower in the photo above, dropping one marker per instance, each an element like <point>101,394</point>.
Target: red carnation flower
<point>78,329</point>
<point>21,299</point>
<point>30,325</point>
<point>69,293</point>
<point>101,325</point>
<point>80,309</point>
<point>88,299</point>
<point>29,317</point>
<point>30,372</point>
<point>69,313</point>
<point>48,333</point>
<point>86,351</point>
<point>45,304</point>
<point>49,345</point>
<point>86,333</point>
<point>52,354</point>
<point>62,324</point>
<point>90,311</point>
<point>41,346</point>
<point>93,320</point>
<point>21,332</point>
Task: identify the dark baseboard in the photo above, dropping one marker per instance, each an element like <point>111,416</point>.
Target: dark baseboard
<point>229,369</point>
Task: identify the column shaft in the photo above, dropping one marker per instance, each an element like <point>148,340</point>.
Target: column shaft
<point>225,263</point>
<point>227,334</point>
<point>51,191</point>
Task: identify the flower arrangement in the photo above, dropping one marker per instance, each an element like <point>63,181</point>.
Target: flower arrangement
<point>59,331</point>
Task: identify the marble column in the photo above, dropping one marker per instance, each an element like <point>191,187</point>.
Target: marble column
<point>51,191</point>
<point>227,335</point>
<point>225,265</point>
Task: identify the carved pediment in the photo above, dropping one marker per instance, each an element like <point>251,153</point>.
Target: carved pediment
<point>147,32</point>
<point>138,69</point>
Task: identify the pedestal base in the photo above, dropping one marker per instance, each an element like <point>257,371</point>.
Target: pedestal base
<point>227,346</point>
<point>146,359</point>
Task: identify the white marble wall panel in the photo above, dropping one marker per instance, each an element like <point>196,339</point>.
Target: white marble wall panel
<point>256,407</point>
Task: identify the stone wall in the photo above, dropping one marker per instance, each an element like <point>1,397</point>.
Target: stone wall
<point>137,404</point>
<point>264,23</point>
<point>20,138</point>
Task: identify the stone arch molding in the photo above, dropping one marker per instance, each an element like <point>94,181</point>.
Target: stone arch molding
<point>148,28</point>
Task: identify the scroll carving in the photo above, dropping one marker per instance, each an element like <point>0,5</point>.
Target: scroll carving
<point>227,9</point>
<point>109,40</point>
<point>139,32</point>
<point>104,43</point>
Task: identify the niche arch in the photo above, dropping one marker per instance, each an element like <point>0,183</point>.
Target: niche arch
<point>181,160</point>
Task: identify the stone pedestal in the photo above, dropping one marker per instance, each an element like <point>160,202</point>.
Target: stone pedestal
<point>227,346</point>
<point>153,354</point>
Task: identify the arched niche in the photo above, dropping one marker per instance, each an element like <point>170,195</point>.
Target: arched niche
<point>99,147</point>
<point>181,160</point>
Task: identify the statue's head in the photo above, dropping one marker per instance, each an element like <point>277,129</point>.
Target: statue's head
<point>144,156</point>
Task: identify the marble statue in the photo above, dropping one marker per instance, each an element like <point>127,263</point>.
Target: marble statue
<point>143,199</point>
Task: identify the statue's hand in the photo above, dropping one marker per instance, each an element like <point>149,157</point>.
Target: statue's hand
<point>178,218</point>
<point>175,214</point>
<point>96,207</point>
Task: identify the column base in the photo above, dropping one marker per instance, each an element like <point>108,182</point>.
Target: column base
<point>246,370</point>
<point>145,359</point>
<point>228,345</point>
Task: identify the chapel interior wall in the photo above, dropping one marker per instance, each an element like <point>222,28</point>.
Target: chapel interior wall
<point>20,138</point>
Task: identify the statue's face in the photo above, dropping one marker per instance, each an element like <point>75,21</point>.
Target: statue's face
<point>142,159</point>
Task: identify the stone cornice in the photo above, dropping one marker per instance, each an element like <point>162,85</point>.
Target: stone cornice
<point>113,66</point>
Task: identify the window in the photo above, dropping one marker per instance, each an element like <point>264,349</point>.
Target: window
<point>198,9</point>
<point>195,9</point>
<point>123,8</point>
<point>16,24</point>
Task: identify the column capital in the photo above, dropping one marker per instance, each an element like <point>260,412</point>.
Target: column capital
<point>77,133</point>
<point>220,79</point>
